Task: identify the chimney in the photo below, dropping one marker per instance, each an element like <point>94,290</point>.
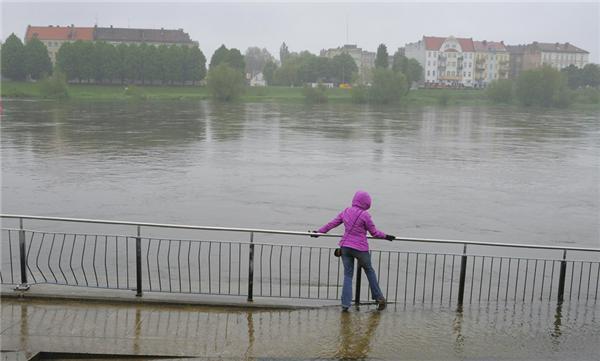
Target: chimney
<point>111,27</point>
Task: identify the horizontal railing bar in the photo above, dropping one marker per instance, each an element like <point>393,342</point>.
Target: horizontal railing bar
<point>268,231</point>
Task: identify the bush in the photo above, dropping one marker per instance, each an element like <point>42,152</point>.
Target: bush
<point>314,95</point>
<point>135,93</point>
<point>545,87</point>
<point>500,91</point>
<point>55,86</point>
<point>225,83</point>
<point>587,96</point>
<point>388,87</point>
<point>360,94</point>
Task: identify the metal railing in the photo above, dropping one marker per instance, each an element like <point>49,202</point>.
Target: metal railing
<point>252,269</point>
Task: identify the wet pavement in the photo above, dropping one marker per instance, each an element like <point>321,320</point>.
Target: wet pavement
<point>501,331</point>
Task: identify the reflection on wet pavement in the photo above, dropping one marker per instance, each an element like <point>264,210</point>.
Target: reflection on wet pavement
<point>498,331</point>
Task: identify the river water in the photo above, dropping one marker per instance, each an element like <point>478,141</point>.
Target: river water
<point>474,173</point>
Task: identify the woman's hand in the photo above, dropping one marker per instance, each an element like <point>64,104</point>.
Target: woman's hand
<point>314,236</point>
<point>389,237</point>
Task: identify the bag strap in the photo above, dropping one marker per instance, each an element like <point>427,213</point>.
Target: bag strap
<point>352,227</point>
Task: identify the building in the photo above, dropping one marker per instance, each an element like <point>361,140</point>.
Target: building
<point>255,80</point>
<point>365,60</point>
<point>557,55</point>
<point>445,61</point>
<point>535,55</point>
<point>143,36</point>
<point>54,36</point>
<point>516,56</point>
<point>491,62</point>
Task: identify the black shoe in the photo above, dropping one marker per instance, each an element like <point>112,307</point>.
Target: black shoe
<point>381,304</point>
<point>344,309</point>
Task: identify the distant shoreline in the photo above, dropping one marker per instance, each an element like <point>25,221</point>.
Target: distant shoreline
<point>270,94</point>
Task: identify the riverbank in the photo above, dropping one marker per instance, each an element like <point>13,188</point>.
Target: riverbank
<point>10,89</point>
<point>94,92</point>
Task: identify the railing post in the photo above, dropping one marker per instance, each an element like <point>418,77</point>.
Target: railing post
<point>561,279</point>
<point>358,280</point>
<point>22,258</point>
<point>251,268</point>
<point>138,262</point>
<point>463,272</point>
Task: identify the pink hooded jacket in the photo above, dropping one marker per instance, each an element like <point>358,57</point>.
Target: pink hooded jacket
<point>357,221</point>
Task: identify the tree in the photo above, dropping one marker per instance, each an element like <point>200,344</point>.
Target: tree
<point>225,83</point>
<point>573,75</point>
<point>122,55</point>
<point>256,59</point>
<point>591,75</point>
<point>232,57</point>
<point>37,61</point>
<point>287,74</point>
<point>500,91</point>
<point>269,72</point>
<point>235,59</point>
<point>66,61</point>
<point>284,52</point>
<point>13,58</point>
<point>197,64</point>
<point>409,67</point>
<point>388,86</point>
<point>381,59</point>
<point>219,56</point>
<point>545,86</point>
<point>101,61</point>
<point>343,67</point>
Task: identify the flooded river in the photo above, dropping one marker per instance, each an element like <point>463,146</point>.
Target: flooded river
<point>484,174</point>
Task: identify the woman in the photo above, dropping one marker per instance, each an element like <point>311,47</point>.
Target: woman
<point>357,221</point>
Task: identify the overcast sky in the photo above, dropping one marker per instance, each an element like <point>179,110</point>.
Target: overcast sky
<point>314,26</point>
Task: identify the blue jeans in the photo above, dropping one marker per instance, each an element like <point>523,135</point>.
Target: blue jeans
<point>364,261</point>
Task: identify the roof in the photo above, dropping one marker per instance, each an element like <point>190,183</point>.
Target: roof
<point>59,33</point>
<point>558,48</point>
<point>489,46</point>
<point>435,43</point>
<point>516,49</point>
<point>141,35</point>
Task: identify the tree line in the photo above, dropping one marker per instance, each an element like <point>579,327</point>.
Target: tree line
<point>548,87</point>
<point>101,62</point>
<point>21,61</point>
<point>146,64</point>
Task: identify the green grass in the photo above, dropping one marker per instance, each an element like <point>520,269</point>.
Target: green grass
<point>419,97</point>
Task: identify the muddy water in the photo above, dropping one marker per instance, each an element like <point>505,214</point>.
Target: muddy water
<point>491,331</point>
<point>486,174</point>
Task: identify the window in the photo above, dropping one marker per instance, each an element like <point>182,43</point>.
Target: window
<point>427,72</point>
<point>469,74</point>
<point>433,72</point>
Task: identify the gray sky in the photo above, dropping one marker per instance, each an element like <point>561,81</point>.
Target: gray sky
<point>314,26</point>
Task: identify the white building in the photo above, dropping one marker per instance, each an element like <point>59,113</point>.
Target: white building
<point>561,55</point>
<point>446,61</point>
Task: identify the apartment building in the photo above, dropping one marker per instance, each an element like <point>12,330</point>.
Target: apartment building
<point>491,62</point>
<point>446,61</point>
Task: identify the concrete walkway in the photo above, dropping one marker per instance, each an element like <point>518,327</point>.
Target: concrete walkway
<point>106,295</point>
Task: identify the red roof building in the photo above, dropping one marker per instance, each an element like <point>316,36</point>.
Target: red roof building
<point>446,61</point>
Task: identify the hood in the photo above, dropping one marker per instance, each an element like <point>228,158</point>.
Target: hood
<point>361,200</point>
